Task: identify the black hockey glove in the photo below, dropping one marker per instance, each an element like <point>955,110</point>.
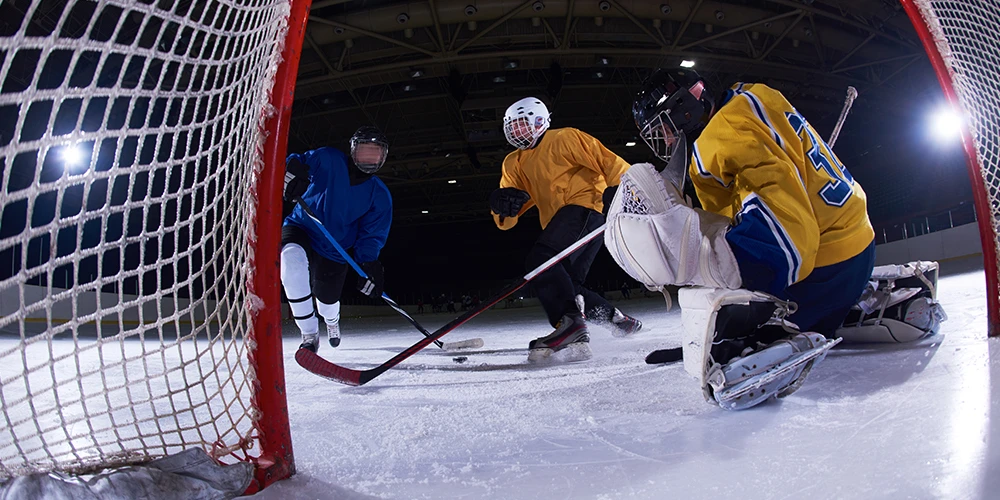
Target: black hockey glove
<point>372,285</point>
<point>507,202</point>
<point>296,179</point>
<point>608,197</point>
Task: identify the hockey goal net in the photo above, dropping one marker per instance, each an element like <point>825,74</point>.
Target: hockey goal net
<point>138,283</point>
<point>962,39</point>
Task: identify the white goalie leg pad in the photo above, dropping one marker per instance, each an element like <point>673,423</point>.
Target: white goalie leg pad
<point>898,305</point>
<point>699,311</point>
<point>774,371</point>
<point>295,280</point>
<point>659,240</point>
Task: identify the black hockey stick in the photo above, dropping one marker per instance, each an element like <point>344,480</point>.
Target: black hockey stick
<point>315,364</point>
<point>470,343</point>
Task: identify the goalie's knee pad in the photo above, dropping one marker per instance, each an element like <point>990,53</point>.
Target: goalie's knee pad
<point>899,305</point>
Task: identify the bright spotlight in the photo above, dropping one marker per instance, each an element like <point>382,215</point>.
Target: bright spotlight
<point>629,144</point>
<point>946,124</point>
<point>72,156</point>
<point>687,63</point>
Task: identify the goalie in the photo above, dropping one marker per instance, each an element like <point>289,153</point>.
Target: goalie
<point>780,253</point>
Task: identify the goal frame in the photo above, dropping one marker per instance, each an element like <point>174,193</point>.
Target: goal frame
<point>987,234</point>
<point>276,460</point>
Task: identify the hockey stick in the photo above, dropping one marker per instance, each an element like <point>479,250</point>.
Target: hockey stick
<point>315,364</point>
<point>852,94</point>
<point>462,344</point>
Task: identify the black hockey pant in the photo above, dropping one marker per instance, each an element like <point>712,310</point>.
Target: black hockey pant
<point>326,276</point>
<point>558,287</point>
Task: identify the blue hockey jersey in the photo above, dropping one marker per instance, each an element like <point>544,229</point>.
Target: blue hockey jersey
<point>356,216</point>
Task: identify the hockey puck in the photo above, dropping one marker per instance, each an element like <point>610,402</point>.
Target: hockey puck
<point>460,359</point>
<point>665,356</point>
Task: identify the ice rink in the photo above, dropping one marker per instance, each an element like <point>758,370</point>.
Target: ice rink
<point>891,421</point>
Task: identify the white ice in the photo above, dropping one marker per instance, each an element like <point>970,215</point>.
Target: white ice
<point>900,421</point>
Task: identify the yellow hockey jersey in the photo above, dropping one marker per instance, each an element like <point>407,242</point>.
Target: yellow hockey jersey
<point>758,150</point>
<point>566,167</point>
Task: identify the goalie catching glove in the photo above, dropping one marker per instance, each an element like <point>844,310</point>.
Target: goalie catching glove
<point>372,285</point>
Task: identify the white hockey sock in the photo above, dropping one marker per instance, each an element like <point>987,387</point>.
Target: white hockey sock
<point>295,280</point>
<point>330,312</point>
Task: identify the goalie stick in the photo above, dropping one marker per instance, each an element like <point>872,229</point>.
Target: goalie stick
<point>852,94</point>
<point>462,344</point>
<point>319,366</point>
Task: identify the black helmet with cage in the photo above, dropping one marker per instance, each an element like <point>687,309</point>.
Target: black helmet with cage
<point>369,161</point>
<point>673,103</point>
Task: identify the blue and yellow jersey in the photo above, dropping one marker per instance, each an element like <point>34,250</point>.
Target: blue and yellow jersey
<point>759,158</point>
<point>566,167</point>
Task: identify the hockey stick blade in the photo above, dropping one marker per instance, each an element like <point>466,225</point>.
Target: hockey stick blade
<point>661,356</point>
<point>319,366</point>
<point>463,344</point>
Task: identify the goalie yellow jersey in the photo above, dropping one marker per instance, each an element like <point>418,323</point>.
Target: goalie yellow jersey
<point>759,158</point>
<point>566,167</point>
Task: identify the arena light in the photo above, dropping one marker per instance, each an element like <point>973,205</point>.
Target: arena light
<point>452,181</point>
<point>72,156</point>
<point>946,124</point>
<point>687,63</point>
<point>424,212</point>
<point>629,144</point>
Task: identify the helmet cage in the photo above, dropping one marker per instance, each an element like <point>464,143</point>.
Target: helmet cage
<point>660,134</point>
<point>514,128</point>
<point>369,135</point>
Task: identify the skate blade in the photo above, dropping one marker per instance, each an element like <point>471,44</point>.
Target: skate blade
<point>729,399</point>
<point>577,351</point>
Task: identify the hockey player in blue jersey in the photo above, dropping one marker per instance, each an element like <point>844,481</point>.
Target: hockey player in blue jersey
<point>780,251</point>
<point>355,207</point>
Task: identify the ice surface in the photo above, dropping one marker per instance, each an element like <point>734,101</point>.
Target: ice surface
<point>909,421</point>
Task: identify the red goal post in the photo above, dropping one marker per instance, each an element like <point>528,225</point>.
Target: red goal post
<point>962,40</point>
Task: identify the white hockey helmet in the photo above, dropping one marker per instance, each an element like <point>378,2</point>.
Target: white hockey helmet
<point>525,121</point>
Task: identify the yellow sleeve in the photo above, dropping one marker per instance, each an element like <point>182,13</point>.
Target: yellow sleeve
<point>602,159</point>
<point>509,178</point>
<point>735,156</point>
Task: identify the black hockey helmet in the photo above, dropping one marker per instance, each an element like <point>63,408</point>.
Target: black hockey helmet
<point>369,135</point>
<point>671,101</point>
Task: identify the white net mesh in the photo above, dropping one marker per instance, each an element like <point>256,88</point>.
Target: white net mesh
<point>129,136</point>
<point>967,35</point>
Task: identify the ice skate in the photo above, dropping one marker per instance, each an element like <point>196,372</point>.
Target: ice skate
<point>775,370</point>
<point>310,341</point>
<point>623,325</point>
<point>569,342</point>
<point>333,334</point>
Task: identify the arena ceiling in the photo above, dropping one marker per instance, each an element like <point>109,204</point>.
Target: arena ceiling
<point>437,75</point>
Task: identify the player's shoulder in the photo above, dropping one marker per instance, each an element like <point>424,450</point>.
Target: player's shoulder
<point>330,153</point>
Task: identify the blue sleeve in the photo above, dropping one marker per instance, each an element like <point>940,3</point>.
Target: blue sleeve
<point>320,161</point>
<point>374,227</point>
